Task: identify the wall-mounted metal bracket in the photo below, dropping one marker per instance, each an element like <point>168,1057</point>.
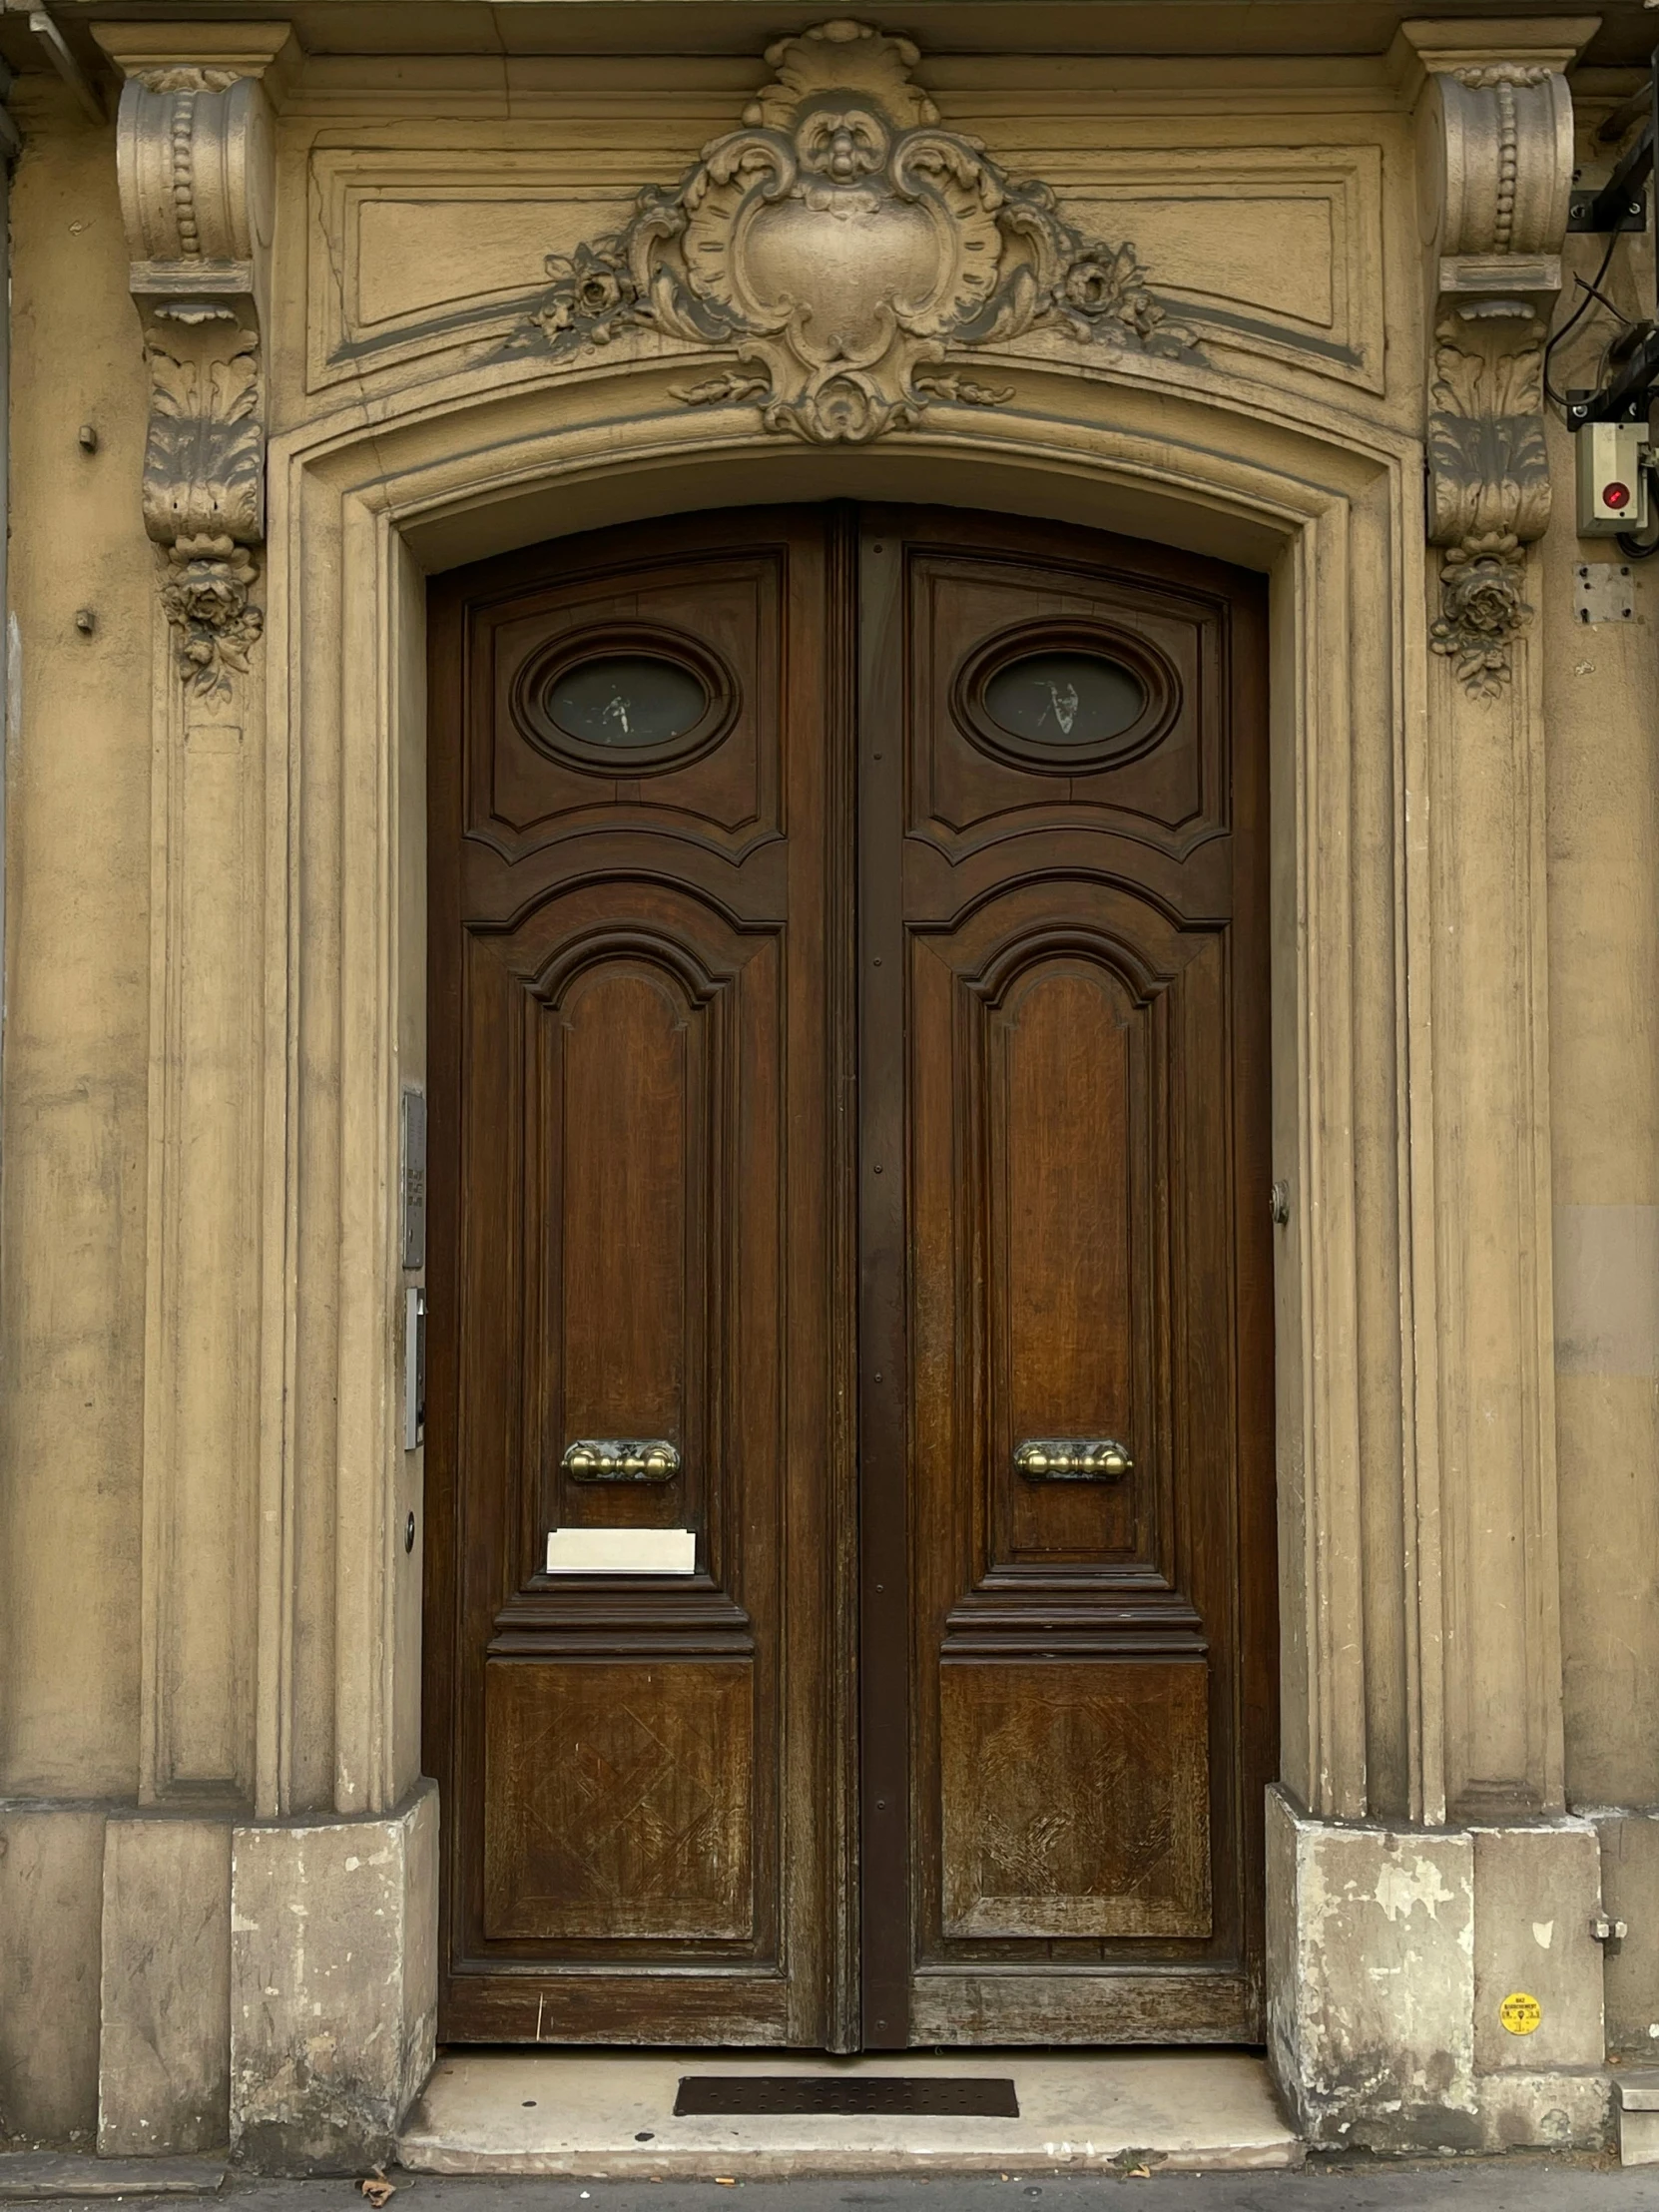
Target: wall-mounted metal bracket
<point>1603,590</point>
<point>1628,397</point>
<point>1621,205</point>
<point>1599,207</point>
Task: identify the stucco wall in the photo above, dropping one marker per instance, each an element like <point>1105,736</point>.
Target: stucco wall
<point>1602,706</point>
<point>76,1012</point>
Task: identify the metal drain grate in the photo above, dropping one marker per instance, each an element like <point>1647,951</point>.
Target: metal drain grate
<point>852,2096</point>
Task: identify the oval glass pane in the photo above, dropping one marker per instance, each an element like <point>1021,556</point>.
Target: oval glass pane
<point>1081,699</point>
<point>624,700</point>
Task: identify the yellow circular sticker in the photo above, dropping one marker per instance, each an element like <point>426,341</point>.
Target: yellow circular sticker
<point>1520,2013</point>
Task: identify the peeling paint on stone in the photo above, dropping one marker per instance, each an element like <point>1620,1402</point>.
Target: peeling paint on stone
<point>1399,1890</point>
<point>1373,1971</point>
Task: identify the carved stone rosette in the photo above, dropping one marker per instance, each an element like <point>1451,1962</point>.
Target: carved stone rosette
<point>194,149</point>
<point>1497,164</point>
<point>841,244</point>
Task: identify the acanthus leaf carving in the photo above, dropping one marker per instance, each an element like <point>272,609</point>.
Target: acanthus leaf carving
<point>195,159</point>
<point>1488,485</point>
<point>204,491</point>
<point>841,244</point>
<point>204,461</point>
<point>1497,136</point>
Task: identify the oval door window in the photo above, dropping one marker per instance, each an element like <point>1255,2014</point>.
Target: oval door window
<point>1065,699</point>
<point>626,701</point>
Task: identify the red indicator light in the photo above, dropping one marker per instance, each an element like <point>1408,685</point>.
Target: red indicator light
<point>1615,496</point>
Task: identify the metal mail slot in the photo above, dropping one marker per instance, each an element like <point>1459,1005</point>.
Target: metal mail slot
<point>622,1551</point>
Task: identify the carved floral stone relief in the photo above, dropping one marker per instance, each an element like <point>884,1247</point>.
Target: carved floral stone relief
<point>843,246</point>
<point>194,150</point>
<point>1489,486</point>
<point>1499,157</point>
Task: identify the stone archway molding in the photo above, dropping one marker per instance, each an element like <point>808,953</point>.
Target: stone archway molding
<point>357,515</point>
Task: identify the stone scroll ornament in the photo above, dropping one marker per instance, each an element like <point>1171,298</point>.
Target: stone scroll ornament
<point>1498,160</point>
<point>195,157</point>
<point>843,246</point>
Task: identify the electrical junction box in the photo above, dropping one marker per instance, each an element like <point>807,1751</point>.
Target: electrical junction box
<point>1613,481</point>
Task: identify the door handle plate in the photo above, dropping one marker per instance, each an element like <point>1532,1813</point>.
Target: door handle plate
<point>621,1459</point>
<point>1073,1460</point>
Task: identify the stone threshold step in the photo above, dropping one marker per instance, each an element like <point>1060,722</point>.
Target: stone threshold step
<point>49,2174</point>
<point>611,2116</point>
<point>1638,2090</point>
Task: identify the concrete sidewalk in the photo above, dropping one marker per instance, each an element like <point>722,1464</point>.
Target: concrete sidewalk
<point>1521,2184</point>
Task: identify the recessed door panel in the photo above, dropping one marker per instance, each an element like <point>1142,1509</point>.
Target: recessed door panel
<point>1075,1799</point>
<point>619,1801</point>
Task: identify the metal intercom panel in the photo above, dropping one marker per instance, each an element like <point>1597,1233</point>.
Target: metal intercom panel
<point>414,1177</point>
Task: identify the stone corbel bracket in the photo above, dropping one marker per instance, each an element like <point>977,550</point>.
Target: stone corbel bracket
<point>1495,168</point>
<point>197,171</point>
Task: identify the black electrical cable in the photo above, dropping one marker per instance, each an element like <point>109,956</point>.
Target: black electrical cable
<point>1638,549</point>
<point>1591,291</point>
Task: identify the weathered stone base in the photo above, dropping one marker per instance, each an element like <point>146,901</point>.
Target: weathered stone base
<point>1390,1955</point>
<point>164,1986</point>
<point>174,1983</point>
<point>334,1987</point>
<point>51,1867</point>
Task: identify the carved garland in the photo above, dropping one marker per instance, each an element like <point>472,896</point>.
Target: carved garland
<point>194,151</point>
<point>840,245</point>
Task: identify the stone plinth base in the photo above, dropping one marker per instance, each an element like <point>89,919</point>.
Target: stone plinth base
<point>1396,1959</point>
<point>334,1987</point>
<point>174,1981</point>
<point>164,1989</point>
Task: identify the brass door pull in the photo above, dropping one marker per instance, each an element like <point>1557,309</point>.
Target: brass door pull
<point>1073,1460</point>
<point>621,1459</point>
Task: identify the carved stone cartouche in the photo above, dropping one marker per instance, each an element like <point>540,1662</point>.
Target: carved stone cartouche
<point>1497,156</point>
<point>194,156</point>
<point>841,245</point>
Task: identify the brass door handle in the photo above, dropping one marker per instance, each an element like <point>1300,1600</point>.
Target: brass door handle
<point>621,1459</point>
<point>1073,1460</point>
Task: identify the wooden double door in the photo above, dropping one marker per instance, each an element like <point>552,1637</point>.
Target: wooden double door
<point>849,1614</point>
